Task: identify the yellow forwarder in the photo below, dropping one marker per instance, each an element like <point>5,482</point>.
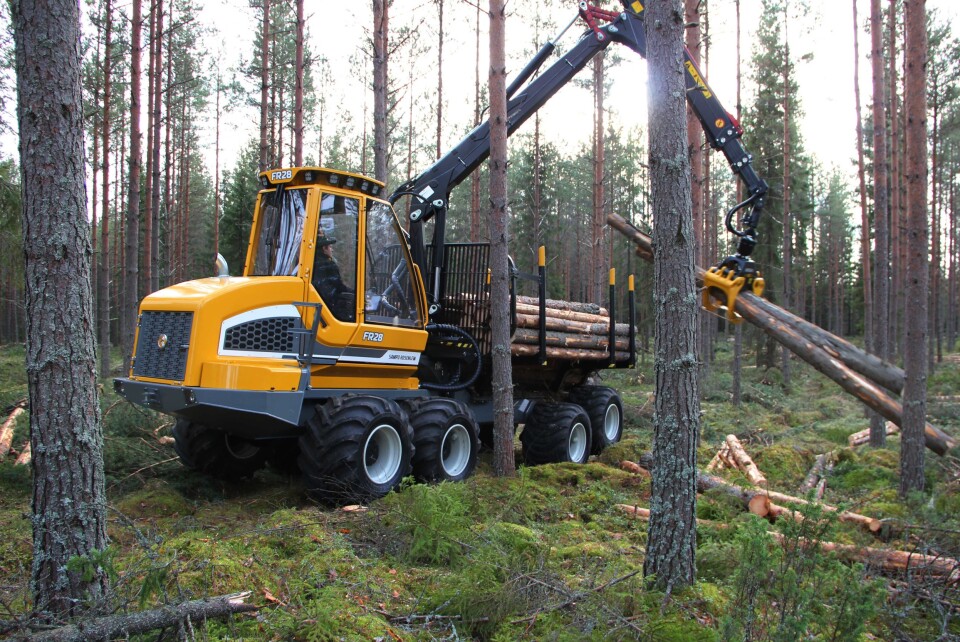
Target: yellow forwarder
<point>360,353</point>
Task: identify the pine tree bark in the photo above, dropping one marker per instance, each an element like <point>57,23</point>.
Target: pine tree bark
<point>597,269</point>
<point>380,43</point>
<point>69,500</point>
<point>129,300</point>
<point>672,541</point>
<point>503,458</point>
<point>879,341</point>
<point>153,265</point>
<point>298,99</point>
<point>916,236</point>
<point>264,85</point>
<point>103,277</point>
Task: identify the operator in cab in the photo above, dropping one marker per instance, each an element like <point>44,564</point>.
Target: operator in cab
<point>328,282</point>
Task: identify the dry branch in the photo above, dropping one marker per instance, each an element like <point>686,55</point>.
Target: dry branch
<point>165,616</point>
<point>744,462</point>
<point>846,367</point>
<point>719,460</point>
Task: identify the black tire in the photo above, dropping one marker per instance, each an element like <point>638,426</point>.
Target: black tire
<point>355,449</point>
<point>283,455</point>
<point>605,410</point>
<point>214,452</point>
<point>446,439</point>
<point>556,432</point>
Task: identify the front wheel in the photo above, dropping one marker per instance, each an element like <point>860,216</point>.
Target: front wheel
<point>556,432</point>
<point>355,449</point>
<point>605,410</point>
<point>214,452</point>
<point>445,435</point>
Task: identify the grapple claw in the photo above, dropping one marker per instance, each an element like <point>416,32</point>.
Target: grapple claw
<point>721,287</point>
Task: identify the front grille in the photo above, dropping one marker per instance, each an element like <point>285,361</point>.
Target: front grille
<point>163,345</point>
<point>263,335</point>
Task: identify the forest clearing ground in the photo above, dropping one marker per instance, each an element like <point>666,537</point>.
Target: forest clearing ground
<point>545,555</point>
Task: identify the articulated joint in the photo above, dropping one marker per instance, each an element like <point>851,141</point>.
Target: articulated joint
<point>723,283</point>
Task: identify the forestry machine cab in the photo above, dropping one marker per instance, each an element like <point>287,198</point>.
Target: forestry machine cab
<point>431,189</point>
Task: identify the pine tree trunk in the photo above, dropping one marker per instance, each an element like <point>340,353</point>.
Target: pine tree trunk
<point>597,270</point>
<point>916,236</point>
<point>440,38</point>
<point>153,266</point>
<point>475,176</point>
<point>381,27</point>
<point>69,499</point>
<point>264,85</point>
<point>787,239</point>
<point>503,457</point>
<point>103,278</point>
<point>298,109</point>
<point>879,340</point>
<point>131,254</point>
<point>671,544</point>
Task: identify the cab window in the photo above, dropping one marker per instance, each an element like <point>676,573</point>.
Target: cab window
<point>281,218</point>
<point>334,274</point>
<point>389,298</point>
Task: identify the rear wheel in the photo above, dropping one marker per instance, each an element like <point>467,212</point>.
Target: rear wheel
<point>445,436</point>
<point>556,432</point>
<point>355,449</point>
<point>605,410</point>
<point>214,452</point>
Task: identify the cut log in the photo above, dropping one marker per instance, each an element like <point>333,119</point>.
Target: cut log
<point>719,460</point>
<point>862,437</point>
<point>566,354</point>
<point>564,325</point>
<point>758,501</point>
<point>111,626</point>
<point>23,459</point>
<point>638,512</point>
<point>816,473</point>
<point>523,308</point>
<point>796,338</point>
<point>744,462</point>
<point>6,431</point>
<point>636,469</point>
<point>569,340</point>
<point>888,560</point>
<point>573,306</point>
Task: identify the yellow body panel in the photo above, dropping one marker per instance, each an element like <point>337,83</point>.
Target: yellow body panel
<point>250,375</point>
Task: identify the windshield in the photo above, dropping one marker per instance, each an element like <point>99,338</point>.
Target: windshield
<point>277,248</point>
<point>390,297</point>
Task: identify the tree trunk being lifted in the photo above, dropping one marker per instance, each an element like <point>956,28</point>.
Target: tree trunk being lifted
<point>858,373</point>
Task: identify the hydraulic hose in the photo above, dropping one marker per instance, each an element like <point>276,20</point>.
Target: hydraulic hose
<point>453,387</point>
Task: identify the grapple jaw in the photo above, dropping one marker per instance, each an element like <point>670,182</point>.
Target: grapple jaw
<point>723,283</point>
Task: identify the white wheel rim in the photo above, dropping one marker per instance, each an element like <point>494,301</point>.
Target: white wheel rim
<point>382,453</point>
<point>611,423</point>
<point>577,442</point>
<point>455,450</point>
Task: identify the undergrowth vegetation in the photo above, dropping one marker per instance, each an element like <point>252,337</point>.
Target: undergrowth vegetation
<point>542,556</point>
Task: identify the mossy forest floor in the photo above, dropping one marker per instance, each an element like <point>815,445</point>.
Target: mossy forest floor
<point>542,556</point>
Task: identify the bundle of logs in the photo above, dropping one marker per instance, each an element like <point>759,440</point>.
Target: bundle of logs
<point>868,378</point>
<point>772,505</point>
<point>574,331</point>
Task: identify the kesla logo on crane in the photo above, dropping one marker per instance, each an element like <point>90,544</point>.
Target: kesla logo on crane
<point>692,70</point>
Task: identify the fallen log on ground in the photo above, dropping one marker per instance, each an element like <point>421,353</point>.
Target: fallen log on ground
<point>816,472</point>
<point>744,462</point>
<point>126,624</point>
<point>796,337</point>
<point>862,437</point>
<point>760,501</point>
<point>26,454</point>
<point>888,560</point>
<point>638,512</point>
<point>6,431</point>
<point>721,459</point>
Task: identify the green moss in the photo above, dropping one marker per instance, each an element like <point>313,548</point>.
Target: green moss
<point>784,466</point>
